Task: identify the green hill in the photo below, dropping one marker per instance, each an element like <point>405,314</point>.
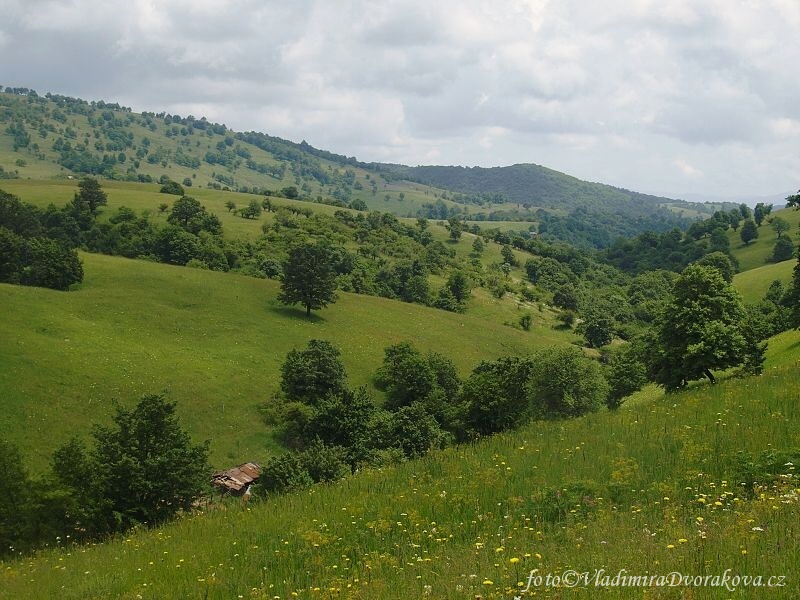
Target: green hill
<point>753,284</point>
<point>665,486</point>
<point>58,137</point>
<point>214,341</point>
<point>758,252</point>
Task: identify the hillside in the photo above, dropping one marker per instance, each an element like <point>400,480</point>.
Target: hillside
<point>753,284</point>
<point>655,488</point>
<point>214,341</point>
<point>58,137</point>
<point>758,252</point>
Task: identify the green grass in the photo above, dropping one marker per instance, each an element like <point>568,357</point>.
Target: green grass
<point>757,253</point>
<point>214,341</point>
<point>753,284</point>
<point>652,490</point>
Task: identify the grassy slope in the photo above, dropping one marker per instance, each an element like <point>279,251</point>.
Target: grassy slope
<point>214,340</point>
<point>455,520</point>
<point>753,284</point>
<point>758,252</point>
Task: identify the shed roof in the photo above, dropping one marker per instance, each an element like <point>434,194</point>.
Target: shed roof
<point>237,478</point>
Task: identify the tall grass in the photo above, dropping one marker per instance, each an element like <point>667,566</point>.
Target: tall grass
<point>652,489</point>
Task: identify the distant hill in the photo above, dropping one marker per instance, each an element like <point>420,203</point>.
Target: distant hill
<point>54,136</point>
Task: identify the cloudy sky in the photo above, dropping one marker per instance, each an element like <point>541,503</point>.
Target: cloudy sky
<point>678,97</point>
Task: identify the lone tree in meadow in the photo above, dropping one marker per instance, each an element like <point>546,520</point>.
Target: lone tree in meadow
<point>701,328</point>
<point>309,278</point>
<point>90,194</point>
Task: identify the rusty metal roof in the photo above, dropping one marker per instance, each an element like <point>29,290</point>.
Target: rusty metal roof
<point>237,478</point>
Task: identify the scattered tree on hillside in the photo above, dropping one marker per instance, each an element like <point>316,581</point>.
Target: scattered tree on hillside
<point>150,469</point>
<point>251,211</point>
<point>456,227</point>
<point>760,212</point>
<point>90,194</point>
<point>793,201</point>
<point>780,225</point>
<point>783,249</point>
<point>172,187</point>
<point>308,278</point>
<point>700,329</point>
<point>749,231</point>
<point>312,374</point>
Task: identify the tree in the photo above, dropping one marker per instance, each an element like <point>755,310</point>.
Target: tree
<point>780,225</point>
<point>565,383</point>
<point>749,231</point>
<point>142,470</point>
<point>477,246</point>
<point>793,201</point>
<point>793,295</point>
<point>290,192</point>
<point>783,250</point>
<point>700,329</point>
<point>252,210</point>
<point>312,374</point>
<point>456,227</point>
<point>508,255</point>
<point>230,205</point>
<point>90,194</point>
<point>309,278</point>
<point>626,374</point>
<point>721,262</point>
<point>761,211</point>
<point>172,187</point>
<point>405,376</point>
<point>597,327</point>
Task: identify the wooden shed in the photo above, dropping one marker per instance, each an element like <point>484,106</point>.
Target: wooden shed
<point>237,480</point>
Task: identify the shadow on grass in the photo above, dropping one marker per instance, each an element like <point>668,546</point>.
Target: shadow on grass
<point>296,313</point>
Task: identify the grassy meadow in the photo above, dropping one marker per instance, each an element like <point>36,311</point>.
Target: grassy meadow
<point>214,341</point>
<point>753,284</point>
<point>654,488</point>
<point>758,252</point>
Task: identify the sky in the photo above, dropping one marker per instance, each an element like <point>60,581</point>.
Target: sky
<point>692,99</point>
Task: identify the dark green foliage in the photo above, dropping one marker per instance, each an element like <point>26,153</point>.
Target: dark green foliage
<point>38,261</point>
<point>456,227</point>
<point>150,468</point>
<point>783,250</point>
<point>626,374</point>
<point>597,327</point>
<point>719,261</point>
<point>413,430</point>
<point>284,473</point>
<point>749,231</point>
<point>700,329</point>
<point>290,192</point>
<point>565,383</point>
<point>793,295</point>
<point>142,470</point>
<point>566,297</point>
<point>495,395</point>
<point>312,374</point>
<point>325,463</point>
<point>91,194</point>
<point>190,215</point>
<point>508,256</point>
<point>525,321</point>
<point>309,277</point>
<point>172,187</point>
<point>405,375</point>
<point>14,500</point>
<point>793,201</point>
<point>780,226</point>
<point>344,420</point>
<point>252,210</point>
<point>760,212</point>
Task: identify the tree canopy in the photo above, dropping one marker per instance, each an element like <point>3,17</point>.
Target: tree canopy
<point>309,277</point>
<point>700,329</point>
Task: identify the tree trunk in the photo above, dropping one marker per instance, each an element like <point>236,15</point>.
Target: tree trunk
<point>308,311</point>
<point>710,375</point>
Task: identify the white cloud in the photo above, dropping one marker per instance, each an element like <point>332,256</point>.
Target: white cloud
<point>610,91</point>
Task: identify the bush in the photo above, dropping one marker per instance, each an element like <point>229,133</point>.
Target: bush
<point>565,383</point>
<point>172,187</point>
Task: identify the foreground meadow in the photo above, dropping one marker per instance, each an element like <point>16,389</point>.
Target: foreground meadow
<point>696,482</point>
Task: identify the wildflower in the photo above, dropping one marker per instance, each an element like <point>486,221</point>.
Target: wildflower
<point>514,560</point>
